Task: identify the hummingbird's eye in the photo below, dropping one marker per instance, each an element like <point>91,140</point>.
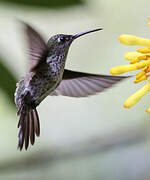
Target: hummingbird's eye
<point>61,39</point>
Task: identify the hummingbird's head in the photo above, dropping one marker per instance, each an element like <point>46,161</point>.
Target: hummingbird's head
<point>62,41</point>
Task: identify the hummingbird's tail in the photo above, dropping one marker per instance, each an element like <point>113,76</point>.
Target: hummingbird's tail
<point>29,126</point>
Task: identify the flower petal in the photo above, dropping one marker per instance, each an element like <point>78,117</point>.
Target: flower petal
<point>133,99</point>
<point>143,50</point>
<point>134,40</point>
<point>122,69</point>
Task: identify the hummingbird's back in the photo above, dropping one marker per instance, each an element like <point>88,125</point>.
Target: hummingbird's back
<point>19,92</point>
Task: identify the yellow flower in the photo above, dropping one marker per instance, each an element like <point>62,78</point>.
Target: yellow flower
<point>139,60</point>
<point>134,98</point>
<point>148,22</point>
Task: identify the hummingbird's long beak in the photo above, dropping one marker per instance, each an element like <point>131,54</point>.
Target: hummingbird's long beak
<point>83,33</point>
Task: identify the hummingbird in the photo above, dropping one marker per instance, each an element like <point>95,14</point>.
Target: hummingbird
<point>47,76</point>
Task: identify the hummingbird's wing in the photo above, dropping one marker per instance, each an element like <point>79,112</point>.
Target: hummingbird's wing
<point>37,47</point>
<point>79,84</point>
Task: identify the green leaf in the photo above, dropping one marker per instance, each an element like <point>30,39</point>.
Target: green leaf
<point>46,3</point>
<point>7,82</point>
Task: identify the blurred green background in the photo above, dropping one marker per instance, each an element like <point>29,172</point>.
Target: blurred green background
<point>88,138</point>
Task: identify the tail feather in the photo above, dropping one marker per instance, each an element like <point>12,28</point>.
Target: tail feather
<point>29,126</point>
<point>21,134</point>
<point>32,135</point>
<point>36,122</point>
<point>27,132</point>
